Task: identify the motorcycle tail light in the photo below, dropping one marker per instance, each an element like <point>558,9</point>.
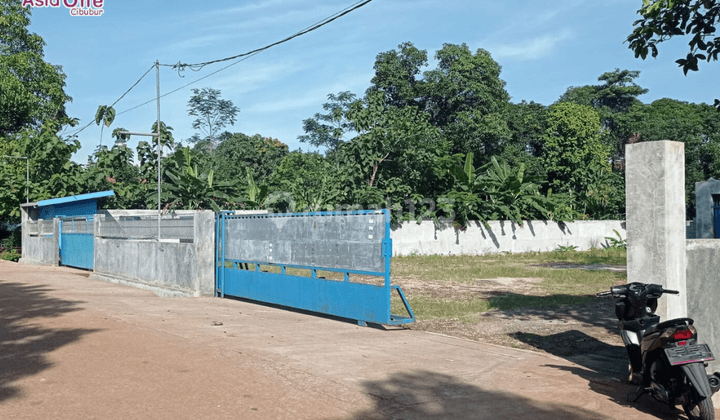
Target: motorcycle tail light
<point>682,335</point>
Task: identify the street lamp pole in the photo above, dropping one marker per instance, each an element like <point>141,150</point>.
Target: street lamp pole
<point>27,175</point>
<point>157,135</point>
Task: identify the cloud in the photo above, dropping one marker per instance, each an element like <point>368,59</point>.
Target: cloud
<point>531,49</point>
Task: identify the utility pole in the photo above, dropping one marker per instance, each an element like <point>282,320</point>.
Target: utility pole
<point>157,87</point>
<point>27,175</point>
<point>157,135</point>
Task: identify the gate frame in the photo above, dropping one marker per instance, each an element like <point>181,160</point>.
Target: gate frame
<point>387,318</point>
<point>64,219</point>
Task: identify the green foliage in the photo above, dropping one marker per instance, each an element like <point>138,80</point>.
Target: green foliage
<point>10,255</point>
<point>663,19</point>
<point>616,243</point>
<point>190,189</point>
<point>698,126</point>
<point>327,130</point>
<point>256,196</point>
<point>105,114</point>
<point>565,248</point>
<point>572,144</point>
<point>237,152</point>
<point>307,178</point>
<point>212,114</point>
<point>500,192</point>
<point>32,89</point>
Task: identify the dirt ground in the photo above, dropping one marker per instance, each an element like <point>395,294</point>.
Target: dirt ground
<point>571,331</point>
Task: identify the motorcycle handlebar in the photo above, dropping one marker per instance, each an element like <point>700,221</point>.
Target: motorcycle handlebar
<point>603,294</point>
<point>672,292</point>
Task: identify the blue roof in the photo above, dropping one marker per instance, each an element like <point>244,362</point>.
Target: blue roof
<point>74,198</point>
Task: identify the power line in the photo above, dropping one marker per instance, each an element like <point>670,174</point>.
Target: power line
<point>188,84</point>
<point>118,99</point>
<point>197,66</point>
<point>240,57</point>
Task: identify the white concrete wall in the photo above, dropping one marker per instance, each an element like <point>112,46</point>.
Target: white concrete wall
<point>166,268</point>
<point>503,236</point>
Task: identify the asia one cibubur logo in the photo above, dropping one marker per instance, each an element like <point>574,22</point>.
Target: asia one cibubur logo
<point>75,7</point>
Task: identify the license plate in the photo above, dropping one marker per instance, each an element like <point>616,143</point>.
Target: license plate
<point>682,355</point>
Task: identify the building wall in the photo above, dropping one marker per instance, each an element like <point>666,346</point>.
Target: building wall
<point>704,209</point>
<point>503,236</point>
<point>38,249</point>
<point>703,288</point>
<point>168,268</point>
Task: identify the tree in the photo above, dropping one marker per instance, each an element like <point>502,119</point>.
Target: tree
<point>308,178</point>
<point>212,113</point>
<point>327,130</point>
<point>32,90</point>
<point>395,155</point>
<point>396,76</point>
<point>190,189</point>
<point>698,126</point>
<point>572,144</point>
<point>466,98</point>
<point>527,123</point>
<point>239,151</point>
<point>664,19</point>
<point>610,100</point>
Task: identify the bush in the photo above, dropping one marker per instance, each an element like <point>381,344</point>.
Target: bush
<point>10,255</point>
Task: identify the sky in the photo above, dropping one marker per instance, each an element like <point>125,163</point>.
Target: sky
<point>543,48</point>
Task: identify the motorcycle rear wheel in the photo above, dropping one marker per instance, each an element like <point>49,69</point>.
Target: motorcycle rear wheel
<point>702,410</point>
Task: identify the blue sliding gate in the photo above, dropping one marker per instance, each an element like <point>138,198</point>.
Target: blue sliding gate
<point>77,241</point>
<point>262,257</point>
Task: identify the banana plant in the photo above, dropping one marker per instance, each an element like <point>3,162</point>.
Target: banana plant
<point>194,190</point>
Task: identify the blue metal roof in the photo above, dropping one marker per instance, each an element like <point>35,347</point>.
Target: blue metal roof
<point>74,198</point>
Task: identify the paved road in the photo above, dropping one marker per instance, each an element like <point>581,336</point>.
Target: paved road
<point>72,347</point>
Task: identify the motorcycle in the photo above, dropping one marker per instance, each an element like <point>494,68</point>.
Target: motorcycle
<point>666,359</point>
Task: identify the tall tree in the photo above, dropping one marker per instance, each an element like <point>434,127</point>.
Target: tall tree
<point>212,114</point>
<point>466,98</point>
<point>239,151</point>
<point>611,100</point>
<point>32,89</point>
<point>397,75</point>
<point>328,130</point>
<point>572,145</point>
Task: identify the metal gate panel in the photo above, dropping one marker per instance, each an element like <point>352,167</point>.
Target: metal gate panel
<point>77,242</point>
<point>355,243</point>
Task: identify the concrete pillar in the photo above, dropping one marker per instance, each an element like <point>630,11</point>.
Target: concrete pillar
<point>204,244</point>
<point>655,206</point>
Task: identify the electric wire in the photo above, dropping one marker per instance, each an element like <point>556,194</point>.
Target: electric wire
<point>239,58</point>
<point>198,66</point>
<point>118,100</point>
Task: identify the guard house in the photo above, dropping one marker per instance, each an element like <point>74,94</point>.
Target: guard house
<point>60,230</point>
<point>707,209</point>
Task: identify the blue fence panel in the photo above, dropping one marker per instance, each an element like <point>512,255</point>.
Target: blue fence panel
<point>351,243</point>
<point>77,242</point>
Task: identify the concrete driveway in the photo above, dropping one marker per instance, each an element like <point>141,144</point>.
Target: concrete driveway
<point>72,347</point>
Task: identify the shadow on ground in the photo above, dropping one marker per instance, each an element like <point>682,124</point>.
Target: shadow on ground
<point>604,366</point>
<point>429,395</point>
<point>24,344</point>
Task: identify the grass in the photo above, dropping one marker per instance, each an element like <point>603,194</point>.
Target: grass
<point>555,287</point>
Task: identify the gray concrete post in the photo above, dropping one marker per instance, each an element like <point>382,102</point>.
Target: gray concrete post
<point>655,207</point>
<point>56,239</point>
<point>204,244</point>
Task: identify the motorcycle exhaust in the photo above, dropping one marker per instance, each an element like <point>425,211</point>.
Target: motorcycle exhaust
<point>714,380</point>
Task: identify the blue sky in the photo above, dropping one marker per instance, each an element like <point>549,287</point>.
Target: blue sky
<point>543,48</point>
